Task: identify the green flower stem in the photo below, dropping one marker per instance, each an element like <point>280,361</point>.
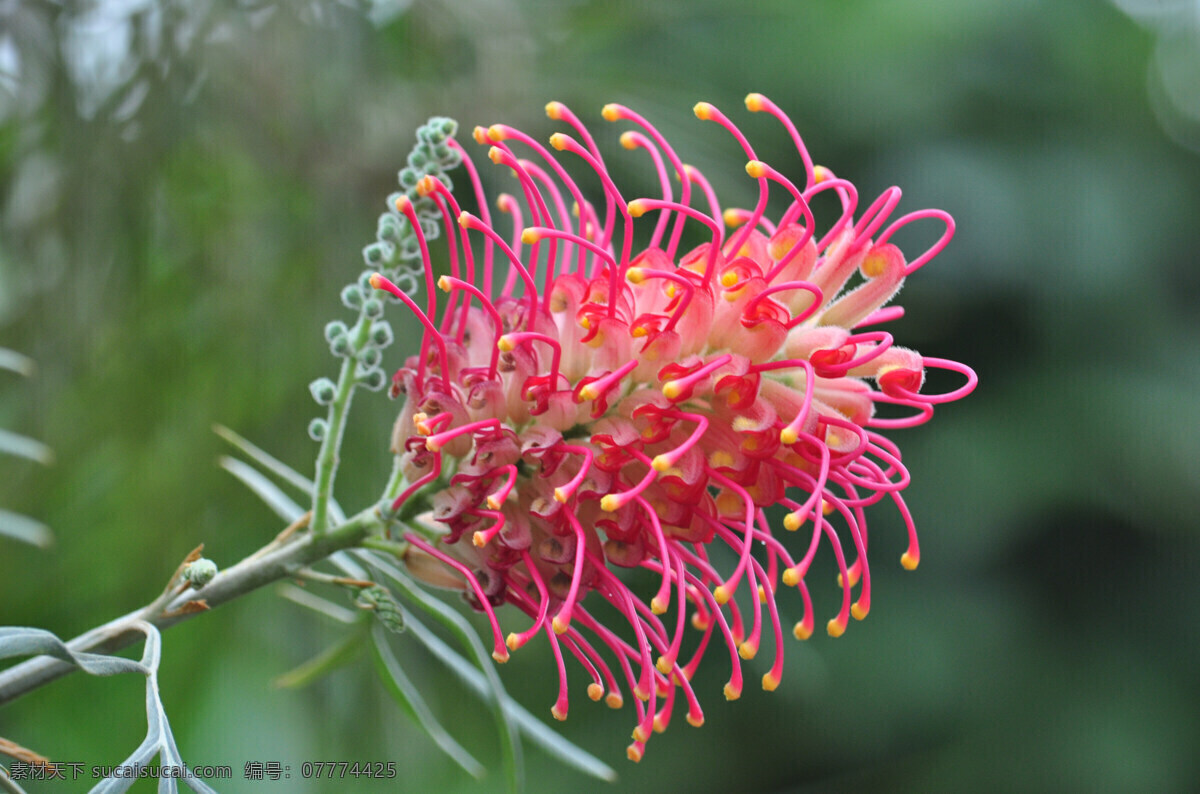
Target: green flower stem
<point>327,459</point>
<point>393,548</point>
<point>246,576</point>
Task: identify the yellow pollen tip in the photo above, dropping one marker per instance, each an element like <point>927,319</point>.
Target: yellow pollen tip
<point>426,185</point>
<point>480,135</point>
<point>695,722</point>
<point>560,626</point>
<point>595,691</point>
<point>640,734</point>
<point>756,169</point>
<point>496,132</point>
<point>443,283</point>
<point>731,693</point>
<point>858,611</point>
<point>376,281</point>
<point>629,140</point>
<point>500,658</point>
<point>610,503</point>
<point>479,539</point>
<point>660,463</point>
<point>703,111</point>
<point>660,725</point>
<point>747,651</point>
<point>731,218</point>
<point>610,112</point>
<point>636,208</point>
<point>559,141</point>
<point>657,606</point>
<point>530,236</point>
<point>635,275</point>
<point>821,174</point>
<point>560,495</point>
<point>770,682</point>
<point>464,219</point>
<point>558,715</point>
<point>432,445</point>
<point>729,279</point>
<point>754,102</point>
<point>762,594</point>
<point>505,344</point>
<point>699,623</point>
<point>554,110</point>
<point>788,436</point>
<point>638,333</point>
<point>910,561</point>
<point>614,701</point>
<point>792,521</point>
<point>671,390</point>
<point>835,628</point>
<point>633,753</point>
<point>663,665</point>
<point>585,322</point>
<point>641,694</point>
<point>722,594</point>
<point>791,577</point>
<point>495,154</point>
<point>589,392</point>
<point>513,641</point>
<point>801,632</point>
<point>873,264</point>
<point>826,507</point>
<point>403,203</point>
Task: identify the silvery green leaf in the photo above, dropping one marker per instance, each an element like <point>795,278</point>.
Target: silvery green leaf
<point>25,529</point>
<point>15,362</point>
<point>23,447</point>
<point>263,488</point>
<point>306,598</point>
<point>410,701</point>
<point>533,728</point>
<point>275,466</point>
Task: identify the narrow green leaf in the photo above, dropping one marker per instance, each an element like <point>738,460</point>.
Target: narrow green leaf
<point>275,466</point>
<point>337,655</point>
<point>458,625</point>
<point>15,362</point>
<point>25,529</point>
<point>263,488</point>
<point>534,729</point>
<point>23,447</point>
<point>266,460</point>
<point>409,699</point>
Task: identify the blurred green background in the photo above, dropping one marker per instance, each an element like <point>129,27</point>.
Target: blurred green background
<point>185,186</point>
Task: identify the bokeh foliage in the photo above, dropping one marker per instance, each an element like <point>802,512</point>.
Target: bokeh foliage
<point>178,212</point>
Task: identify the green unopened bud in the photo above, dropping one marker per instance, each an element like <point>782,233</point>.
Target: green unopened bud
<point>317,429</point>
<point>372,379</point>
<point>409,178</point>
<point>340,345</point>
<point>373,307</point>
<point>370,357</point>
<point>200,572</point>
<point>379,255</point>
<point>352,296</point>
<point>323,391</point>
<point>383,603</point>
<point>417,159</point>
<point>391,227</point>
<point>334,329</point>
<point>381,334</point>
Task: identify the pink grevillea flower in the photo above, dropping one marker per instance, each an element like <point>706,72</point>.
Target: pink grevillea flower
<point>577,408</point>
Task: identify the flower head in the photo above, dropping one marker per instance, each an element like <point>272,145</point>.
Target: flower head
<point>577,408</point>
